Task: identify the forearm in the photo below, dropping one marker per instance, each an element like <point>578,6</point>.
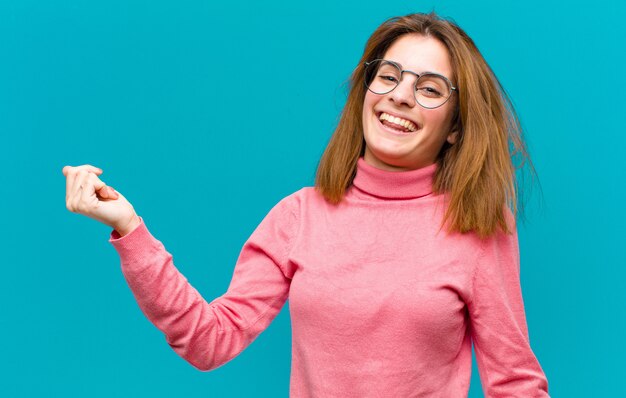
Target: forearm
<point>205,334</point>
<point>168,300</point>
<point>127,227</point>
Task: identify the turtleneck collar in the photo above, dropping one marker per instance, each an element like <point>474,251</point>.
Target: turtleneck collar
<point>394,184</point>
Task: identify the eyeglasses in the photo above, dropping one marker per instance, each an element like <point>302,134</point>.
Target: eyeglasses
<point>431,90</point>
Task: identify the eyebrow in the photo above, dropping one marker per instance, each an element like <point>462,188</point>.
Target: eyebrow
<point>419,73</point>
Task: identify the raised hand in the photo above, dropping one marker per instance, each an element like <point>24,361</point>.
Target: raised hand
<point>88,195</point>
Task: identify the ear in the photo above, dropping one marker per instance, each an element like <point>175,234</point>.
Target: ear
<point>452,137</point>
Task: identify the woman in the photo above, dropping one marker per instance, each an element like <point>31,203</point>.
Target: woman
<point>403,254</point>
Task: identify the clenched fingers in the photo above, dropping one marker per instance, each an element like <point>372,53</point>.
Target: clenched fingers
<point>71,174</point>
<point>69,169</point>
<point>75,198</point>
<point>84,190</point>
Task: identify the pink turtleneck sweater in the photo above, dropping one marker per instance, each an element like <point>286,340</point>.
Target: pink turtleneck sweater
<point>383,303</point>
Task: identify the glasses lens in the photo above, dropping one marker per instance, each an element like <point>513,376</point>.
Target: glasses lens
<point>432,91</point>
<point>381,76</point>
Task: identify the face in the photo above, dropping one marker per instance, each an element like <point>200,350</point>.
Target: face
<point>390,149</point>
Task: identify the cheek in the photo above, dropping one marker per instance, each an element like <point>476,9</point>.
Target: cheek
<point>368,111</point>
<point>439,118</point>
<point>369,102</point>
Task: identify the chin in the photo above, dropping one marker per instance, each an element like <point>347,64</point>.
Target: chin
<point>388,160</point>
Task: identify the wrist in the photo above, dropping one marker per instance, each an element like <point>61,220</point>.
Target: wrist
<point>129,226</point>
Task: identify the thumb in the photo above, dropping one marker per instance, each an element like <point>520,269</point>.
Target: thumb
<point>101,189</point>
<point>107,192</point>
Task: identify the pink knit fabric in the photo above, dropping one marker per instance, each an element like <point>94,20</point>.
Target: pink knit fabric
<point>383,302</point>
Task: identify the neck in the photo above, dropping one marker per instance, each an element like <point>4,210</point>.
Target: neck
<point>379,164</point>
<point>389,184</point>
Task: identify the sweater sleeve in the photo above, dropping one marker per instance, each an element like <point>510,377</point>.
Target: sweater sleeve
<point>506,363</point>
<point>209,334</point>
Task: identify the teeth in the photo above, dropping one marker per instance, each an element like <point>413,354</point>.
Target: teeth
<point>400,122</point>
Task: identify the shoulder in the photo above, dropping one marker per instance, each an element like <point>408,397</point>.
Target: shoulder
<point>501,236</point>
<point>499,253</point>
<point>291,205</point>
<point>303,197</point>
<point>305,193</point>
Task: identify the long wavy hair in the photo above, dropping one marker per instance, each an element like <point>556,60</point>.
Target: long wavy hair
<point>477,173</point>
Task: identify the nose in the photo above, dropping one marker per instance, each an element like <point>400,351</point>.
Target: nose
<point>404,93</point>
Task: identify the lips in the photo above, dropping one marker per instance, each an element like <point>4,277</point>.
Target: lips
<point>398,123</point>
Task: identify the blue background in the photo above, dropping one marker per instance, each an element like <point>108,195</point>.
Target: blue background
<point>205,115</point>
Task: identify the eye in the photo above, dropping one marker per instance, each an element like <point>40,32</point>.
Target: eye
<point>388,78</point>
<point>429,91</point>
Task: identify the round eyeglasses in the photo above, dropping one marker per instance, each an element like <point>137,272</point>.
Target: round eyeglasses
<point>431,90</point>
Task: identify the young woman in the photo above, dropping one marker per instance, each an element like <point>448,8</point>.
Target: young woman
<point>403,254</point>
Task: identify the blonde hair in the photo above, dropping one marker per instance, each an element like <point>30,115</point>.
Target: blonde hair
<point>478,171</point>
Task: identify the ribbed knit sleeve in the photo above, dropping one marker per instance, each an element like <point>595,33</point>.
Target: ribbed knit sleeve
<point>507,365</point>
<point>209,334</point>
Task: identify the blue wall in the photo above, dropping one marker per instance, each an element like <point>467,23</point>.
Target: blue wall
<point>205,115</point>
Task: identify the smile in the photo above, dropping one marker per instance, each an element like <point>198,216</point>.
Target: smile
<point>397,123</point>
